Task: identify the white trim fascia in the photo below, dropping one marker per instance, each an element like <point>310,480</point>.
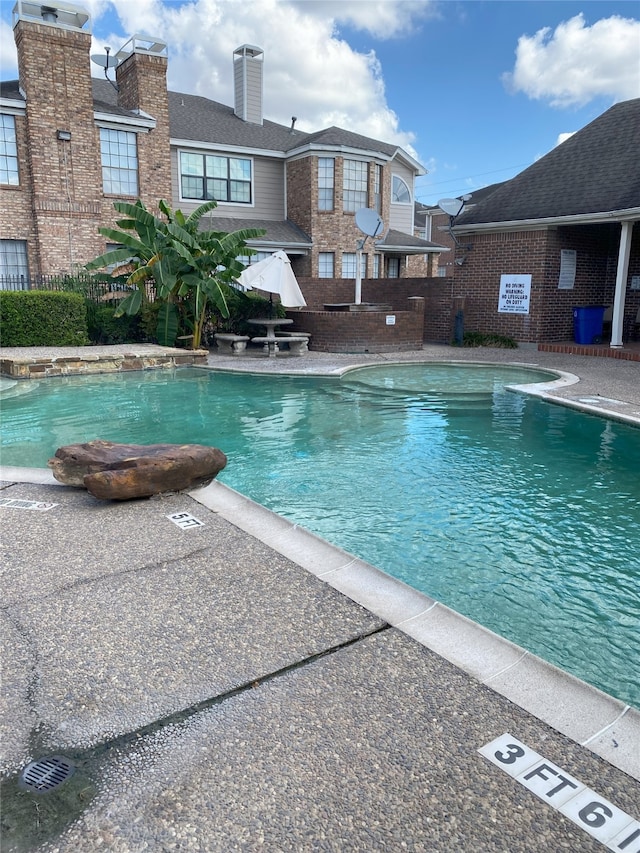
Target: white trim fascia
<point>137,124</point>
<point>362,153</point>
<point>300,248</point>
<point>632,213</point>
<point>418,168</point>
<point>11,107</point>
<point>196,145</point>
<point>410,250</point>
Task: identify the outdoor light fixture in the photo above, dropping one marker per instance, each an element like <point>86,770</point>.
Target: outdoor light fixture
<point>64,135</point>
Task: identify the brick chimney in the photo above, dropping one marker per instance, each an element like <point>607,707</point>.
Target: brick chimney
<point>141,77</point>
<point>247,80</point>
<point>63,157</point>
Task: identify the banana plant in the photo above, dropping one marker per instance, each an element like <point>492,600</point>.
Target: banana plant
<point>189,267</point>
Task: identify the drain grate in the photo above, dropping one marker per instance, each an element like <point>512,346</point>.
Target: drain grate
<point>46,774</point>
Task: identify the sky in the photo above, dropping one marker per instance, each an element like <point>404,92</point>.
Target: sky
<point>475,90</point>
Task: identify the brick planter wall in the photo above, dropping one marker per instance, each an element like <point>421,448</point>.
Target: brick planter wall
<point>439,309</point>
<point>362,331</point>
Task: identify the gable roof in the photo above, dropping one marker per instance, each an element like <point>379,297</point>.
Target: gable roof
<point>197,119</point>
<point>592,174</point>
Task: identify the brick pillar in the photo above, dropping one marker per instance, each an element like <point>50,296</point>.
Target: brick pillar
<point>142,85</point>
<point>65,176</point>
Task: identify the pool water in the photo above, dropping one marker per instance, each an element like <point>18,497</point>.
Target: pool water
<point>522,515</point>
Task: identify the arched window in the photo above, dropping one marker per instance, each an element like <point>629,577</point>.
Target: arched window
<point>400,191</point>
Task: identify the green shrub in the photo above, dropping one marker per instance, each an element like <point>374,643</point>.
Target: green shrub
<point>488,339</point>
<point>42,318</point>
<point>105,328</point>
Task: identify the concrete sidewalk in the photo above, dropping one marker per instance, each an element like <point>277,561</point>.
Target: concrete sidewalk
<point>242,685</point>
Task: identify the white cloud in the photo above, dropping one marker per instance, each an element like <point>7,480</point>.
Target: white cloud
<point>562,137</point>
<point>383,19</point>
<point>575,63</point>
<point>309,71</point>
<point>8,54</point>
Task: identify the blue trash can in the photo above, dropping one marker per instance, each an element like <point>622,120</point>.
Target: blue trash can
<point>587,323</point>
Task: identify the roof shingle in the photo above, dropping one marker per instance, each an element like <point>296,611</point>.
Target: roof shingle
<point>594,171</point>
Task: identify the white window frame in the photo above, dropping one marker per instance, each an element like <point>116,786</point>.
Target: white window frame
<point>395,180</point>
<point>349,265</point>
<point>326,183</point>
<point>9,171</point>
<point>113,170</point>
<point>355,185</point>
<point>393,268</point>
<point>14,262</point>
<point>326,264</point>
<point>377,187</point>
<point>375,273</point>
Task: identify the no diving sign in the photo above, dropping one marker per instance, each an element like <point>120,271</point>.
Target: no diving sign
<point>614,828</point>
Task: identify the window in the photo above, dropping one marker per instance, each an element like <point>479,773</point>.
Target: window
<point>354,185</point>
<point>8,151</point>
<point>207,176</point>
<point>325,183</point>
<point>376,267</point>
<point>442,272</point>
<point>377,181</point>
<point>325,265</point>
<point>119,156</point>
<point>348,265</point>
<point>13,264</point>
<point>400,191</point>
<point>247,260</point>
<point>393,268</point>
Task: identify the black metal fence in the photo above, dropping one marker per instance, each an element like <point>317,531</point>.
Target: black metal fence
<point>95,288</point>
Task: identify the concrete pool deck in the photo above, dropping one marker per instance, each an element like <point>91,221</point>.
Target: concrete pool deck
<point>243,685</point>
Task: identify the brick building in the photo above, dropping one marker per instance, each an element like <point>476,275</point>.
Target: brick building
<point>564,234</point>
<point>73,144</point>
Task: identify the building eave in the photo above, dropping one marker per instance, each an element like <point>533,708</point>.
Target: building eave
<point>418,168</point>
<point>386,249</point>
<point>13,107</point>
<point>175,142</point>
<point>291,247</point>
<point>313,147</point>
<point>141,123</point>
<point>630,214</point>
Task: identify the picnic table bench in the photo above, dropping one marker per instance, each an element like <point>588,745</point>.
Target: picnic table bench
<point>298,344</point>
<point>231,344</point>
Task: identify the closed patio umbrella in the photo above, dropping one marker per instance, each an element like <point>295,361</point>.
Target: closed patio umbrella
<point>274,275</point>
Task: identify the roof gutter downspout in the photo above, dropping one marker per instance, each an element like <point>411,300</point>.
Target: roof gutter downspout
<point>621,282</point>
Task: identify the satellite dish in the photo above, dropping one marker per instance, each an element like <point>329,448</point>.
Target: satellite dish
<point>369,222</point>
<point>452,206</point>
<point>107,61</point>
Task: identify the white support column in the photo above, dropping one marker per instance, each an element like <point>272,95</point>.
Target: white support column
<point>621,284</point>
<point>359,248</point>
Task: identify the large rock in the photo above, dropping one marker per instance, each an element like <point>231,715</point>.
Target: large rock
<point>124,471</point>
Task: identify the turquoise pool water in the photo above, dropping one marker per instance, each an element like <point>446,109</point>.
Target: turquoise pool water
<point>522,515</point>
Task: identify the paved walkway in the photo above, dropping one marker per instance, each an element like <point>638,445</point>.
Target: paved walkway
<point>242,685</point>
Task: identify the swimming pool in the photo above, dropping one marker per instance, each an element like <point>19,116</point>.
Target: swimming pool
<point>522,515</point>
